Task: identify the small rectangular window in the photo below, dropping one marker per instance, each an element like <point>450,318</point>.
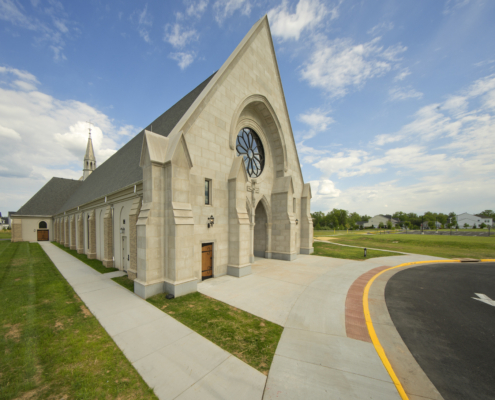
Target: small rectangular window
<point>207,192</point>
<point>294,206</point>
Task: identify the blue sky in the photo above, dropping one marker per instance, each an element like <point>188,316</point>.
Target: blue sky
<point>392,103</point>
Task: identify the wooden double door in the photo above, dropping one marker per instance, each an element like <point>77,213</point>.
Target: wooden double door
<point>43,236</point>
<point>207,261</point>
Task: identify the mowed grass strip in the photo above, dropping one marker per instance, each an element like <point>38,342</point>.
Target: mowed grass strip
<point>248,337</point>
<point>93,263</point>
<point>431,245</point>
<point>350,253</point>
<point>51,346</point>
<point>5,234</point>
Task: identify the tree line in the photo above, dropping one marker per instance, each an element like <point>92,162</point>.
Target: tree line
<point>343,219</point>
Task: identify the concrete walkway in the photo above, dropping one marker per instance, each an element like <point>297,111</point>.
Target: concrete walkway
<point>314,359</point>
<point>174,360</point>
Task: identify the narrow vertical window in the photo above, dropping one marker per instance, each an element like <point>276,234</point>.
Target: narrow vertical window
<point>207,192</point>
<point>88,231</point>
<point>294,205</point>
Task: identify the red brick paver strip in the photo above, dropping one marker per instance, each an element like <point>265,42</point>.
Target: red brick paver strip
<point>355,324</point>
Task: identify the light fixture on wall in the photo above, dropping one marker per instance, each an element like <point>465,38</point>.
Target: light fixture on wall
<point>211,221</point>
<point>297,222</point>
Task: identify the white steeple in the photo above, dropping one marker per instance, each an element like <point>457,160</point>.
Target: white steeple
<point>89,164</point>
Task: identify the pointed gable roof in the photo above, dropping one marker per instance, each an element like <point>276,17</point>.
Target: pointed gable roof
<point>50,197</point>
<point>122,169</point>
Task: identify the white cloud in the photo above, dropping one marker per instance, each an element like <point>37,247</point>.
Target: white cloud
<point>43,137</point>
<point>144,23</point>
<point>308,14</point>
<point>324,188</point>
<point>178,37</point>
<point>196,9</point>
<point>398,93</point>
<point>338,65</point>
<point>318,120</point>
<point>183,59</point>
<point>226,8</point>
<point>381,28</point>
<point>447,164</point>
<point>402,75</point>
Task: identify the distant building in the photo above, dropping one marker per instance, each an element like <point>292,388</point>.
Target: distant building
<point>4,222</point>
<point>473,220</point>
<point>426,224</point>
<point>375,221</point>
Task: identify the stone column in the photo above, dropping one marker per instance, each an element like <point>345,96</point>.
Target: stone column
<point>92,235</point>
<point>67,232</point>
<point>73,232</point>
<point>133,218</point>
<point>306,221</point>
<point>80,234</point>
<point>16,230</point>
<point>268,252</point>
<point>62,232</point>
<point>283,220</point>
<point>108,238</point>
<point>54,236</point>
<point>240,231</point>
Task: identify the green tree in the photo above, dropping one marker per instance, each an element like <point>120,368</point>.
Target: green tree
<point>482,225</point>
<point>466,225</point>
<point>389,224</point>
<point>381,226</point>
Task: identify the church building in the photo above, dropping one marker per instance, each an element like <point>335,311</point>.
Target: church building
<point>212,183</point>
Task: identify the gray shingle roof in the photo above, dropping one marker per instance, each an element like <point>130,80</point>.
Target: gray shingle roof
<point>122,169</point>
<point>52,196</point>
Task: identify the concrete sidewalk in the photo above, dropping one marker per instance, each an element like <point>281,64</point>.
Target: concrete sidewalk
<point>174,360</point>
<point>314,359</point>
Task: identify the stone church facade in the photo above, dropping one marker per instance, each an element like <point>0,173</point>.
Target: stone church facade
<point>211,184</point>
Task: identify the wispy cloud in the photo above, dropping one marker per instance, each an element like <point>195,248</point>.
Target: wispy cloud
<point>401,93</point>
<point>144,22</point>
<point>318,121</point>
<point>196,8</point>
<point>307,14</point>
<point>402,75</point>
<point>339,65</point>
<point>53,32</point>
<point>226,8</point>
<point>381,28</point>
<point>178,37</point>
<point>183,59</point>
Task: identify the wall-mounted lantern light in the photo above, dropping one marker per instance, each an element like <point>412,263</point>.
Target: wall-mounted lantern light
<point>211,221</point>
<point>297,222</point>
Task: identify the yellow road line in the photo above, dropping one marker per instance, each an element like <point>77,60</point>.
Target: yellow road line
<point>371,329</point>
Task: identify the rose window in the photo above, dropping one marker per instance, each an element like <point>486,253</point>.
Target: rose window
<point>249,146</point>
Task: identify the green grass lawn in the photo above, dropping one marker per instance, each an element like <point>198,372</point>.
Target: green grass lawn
<point>95,264</point>
<point>251,339</point>
<point>438,246</point>
<point>351,253</point>
<point>51,346</point>
<point>5,234</point>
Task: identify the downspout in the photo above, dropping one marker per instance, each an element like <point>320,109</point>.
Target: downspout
<point>113,238</point>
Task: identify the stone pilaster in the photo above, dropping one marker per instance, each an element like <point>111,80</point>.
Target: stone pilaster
<point>80,233</point>
<point>92,235</point>
<point>284,228</point>
<point>108,238</point>
<point>240,232</point>
<point>73,232</point>
<point>306,221</point>
<point>67,232</point>
<point>133,218</point>
<point>62,232</point>
<point>16,230</point>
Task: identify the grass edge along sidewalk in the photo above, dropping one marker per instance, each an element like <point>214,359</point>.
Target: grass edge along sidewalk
<point>51,346</point>
<point>250,338</point>
<point>436,246</point>
<point>349,253</point>
<point>97,265</point>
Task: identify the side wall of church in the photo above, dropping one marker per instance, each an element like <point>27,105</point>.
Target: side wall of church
<point>30,227</point>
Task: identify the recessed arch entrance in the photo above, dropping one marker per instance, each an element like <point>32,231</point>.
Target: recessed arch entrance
<point>262,231</point>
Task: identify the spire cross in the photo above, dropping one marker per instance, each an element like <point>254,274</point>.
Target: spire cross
<point>89,128</point>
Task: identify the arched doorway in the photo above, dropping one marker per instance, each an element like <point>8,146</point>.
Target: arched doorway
<point>260,231</point>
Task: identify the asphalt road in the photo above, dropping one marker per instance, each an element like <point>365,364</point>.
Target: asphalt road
<point>451,335</point>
